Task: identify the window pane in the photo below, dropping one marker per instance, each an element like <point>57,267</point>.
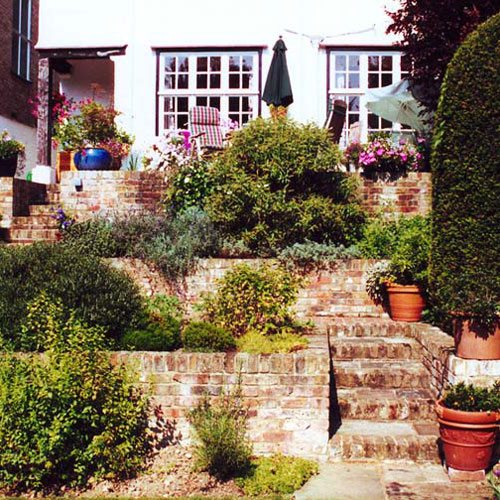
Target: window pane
<point>386,79</point>
<point>246,81</point>
<point>245,119</point>
<point>247,63</point>
<point>15,53</point>
<point>15,20</point>
<point>23,70</point>
<point>354,103</point>
<point>183,64</point>
<point>386,123</point>
<point>182,103</point>
<point>234,63</point>
<point>235,118</point>
<point>353,118</point>
<point>25,17</point>
<point>246,104</point>
<point>215,63</point>
<point>234,81</point>
<point>168,103</point>
<point>373,121</point>
<point>215,102</point>
<point>354,80</point>
<point>353,63</point>
<point>340,63</point>
<point>215,81</point>
<point>201,101</point>
<point>170,81</point>
<point>202,64</point>
<point>340,80</point>
<point>169,121</point>
<point>387,63</point>
<point>182,82</point>
<point>201,82</point>
<point>182,121</point>
<point>234,104</point>
<point>372,80</point>
<point>170,64</point>
<point>373,63</point>
<point>405,63</point>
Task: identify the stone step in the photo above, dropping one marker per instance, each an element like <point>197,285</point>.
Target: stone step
<point>381,374</point>
<point>369,440</point>
<point>46,209</point>
<point>386,404</point>
<point>31,235</point>
<point>37,221</point>
<point>374,348</point>
<point>368,327</point>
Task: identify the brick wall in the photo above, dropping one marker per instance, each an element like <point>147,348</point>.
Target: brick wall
<point>16,91</point>
<point>339,291</point>
<point>287,394</point>
<point>15,197</point>
<point>111,192</point>
<point>409,195</point>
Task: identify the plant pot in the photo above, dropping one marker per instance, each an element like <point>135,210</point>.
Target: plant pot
<point>8,166</point>
<point>406,302</point>
<point>468,438</point>
<point>474,340</point>
<point>93,159</point>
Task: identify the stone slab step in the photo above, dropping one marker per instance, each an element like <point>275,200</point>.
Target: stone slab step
<point>368,440</point>
<point>37,221</point>
<point>30,235</point>
<point>47,209</point>
<point>368,327</point>
<point>375,348</point>
<point>386,404</point>
<point>381,374</point>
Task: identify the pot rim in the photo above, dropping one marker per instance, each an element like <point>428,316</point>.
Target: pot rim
<point>402,288</point>
<point>466,416</point>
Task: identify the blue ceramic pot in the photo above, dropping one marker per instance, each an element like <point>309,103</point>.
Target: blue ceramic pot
<point>93,159</point>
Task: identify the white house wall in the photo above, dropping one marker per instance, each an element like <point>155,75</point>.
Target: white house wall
<point>144,24</point>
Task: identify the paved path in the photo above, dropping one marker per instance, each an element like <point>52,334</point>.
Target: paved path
<point>388,481</point>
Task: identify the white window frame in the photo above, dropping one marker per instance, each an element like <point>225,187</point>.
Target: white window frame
<point>345,93</point>
<point>253,93</point>
<point>20,66</point>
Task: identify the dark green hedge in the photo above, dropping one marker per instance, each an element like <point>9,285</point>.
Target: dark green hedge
<point>465,267</point>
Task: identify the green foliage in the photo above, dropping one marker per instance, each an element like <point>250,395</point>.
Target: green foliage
<point>220,424</point>
<point>379,238</point>
<point>254,342</point>
<point>277,474</point>
<point>471,398</point>
<point>494,481</point>
<point>465,265</point>
<point>277,184</point>
<point>91,237</point>
<point>9,146</point>
<point>253,299</point>
<point>69,415</point>
<point>312,255</point>
<point>199,336</point>
<point>99,295</point>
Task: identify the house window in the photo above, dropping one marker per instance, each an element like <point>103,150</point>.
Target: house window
<point>352,74</point>
<point>228,81</point>
<point>21,38</point>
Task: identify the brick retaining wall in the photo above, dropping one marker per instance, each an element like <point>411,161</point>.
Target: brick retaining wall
<point>287,394</point>
<point>15,197</point>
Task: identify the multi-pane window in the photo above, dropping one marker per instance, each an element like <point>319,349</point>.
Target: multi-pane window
<point>21,38</point>
<point>352,74</point>
<point>227,81</point>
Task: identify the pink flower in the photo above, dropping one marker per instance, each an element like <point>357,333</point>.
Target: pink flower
<point>380,151</point>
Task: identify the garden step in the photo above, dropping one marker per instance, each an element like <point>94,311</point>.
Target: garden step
<point>39,221</point>
<point>368,327</point>
<point>46,209</point>
<point>386,404</point>
<point>368,440</point>
<point>374,348</point>
<point>31,235</point>
<point>381,374</point>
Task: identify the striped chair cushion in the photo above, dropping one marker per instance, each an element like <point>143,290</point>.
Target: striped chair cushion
<point>206,120</point>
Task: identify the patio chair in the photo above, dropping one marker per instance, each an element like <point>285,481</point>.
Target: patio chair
<point>204,125</point>
<point>336,119</point>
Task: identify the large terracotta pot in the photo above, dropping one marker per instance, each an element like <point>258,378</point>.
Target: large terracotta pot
<point>468,438</point>
<point>474,340</point>
<point>406,302</point>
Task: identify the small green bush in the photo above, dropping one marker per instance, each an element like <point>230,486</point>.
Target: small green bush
<point>253,299</point>
<point>69,415</point>
<point>220,424</point>
<point>199,336</point>
<point>379,238</point>
<point>471,398</point>
<point>91,237</point>
<point>99,295</point>
<point>277,184</point>
<point>284,342</point>
<point>277,474</point>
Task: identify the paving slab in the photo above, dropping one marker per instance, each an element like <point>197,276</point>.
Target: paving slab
<point>344,482</point>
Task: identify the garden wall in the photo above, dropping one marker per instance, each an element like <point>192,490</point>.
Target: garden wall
<point>287,394</point>
<point>15,197</point>
<point>339,291</point>
<point>111,192</point>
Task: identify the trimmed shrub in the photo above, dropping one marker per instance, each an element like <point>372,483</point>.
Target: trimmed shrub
<point>91,237</point>
<point>199,336</point>
<point>465,265</point>
<point>69,415</point>
<point>284,342</point>
<point>253,299</point>
<point>277,184</point>
<point>99,295</point>
<point>153,337</point>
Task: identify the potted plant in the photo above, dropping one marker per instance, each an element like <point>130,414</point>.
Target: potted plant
<point>400,284</point>
<point>468,421</point>
<point>9,151</point>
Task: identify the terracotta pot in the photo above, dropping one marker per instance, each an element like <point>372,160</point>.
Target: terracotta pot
<point>406,302</point>
<point>474,340</point>
<point>468,438</point>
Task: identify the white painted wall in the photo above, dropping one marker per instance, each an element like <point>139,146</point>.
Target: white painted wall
<point>26,135</point>
<point>143,24</point>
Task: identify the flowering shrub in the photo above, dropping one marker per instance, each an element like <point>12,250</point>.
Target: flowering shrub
<point>64,219</point>
<point>9,146</point>
<point>381,159</point>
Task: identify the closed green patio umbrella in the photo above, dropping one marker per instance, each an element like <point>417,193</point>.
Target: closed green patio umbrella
<point>278,89</point>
